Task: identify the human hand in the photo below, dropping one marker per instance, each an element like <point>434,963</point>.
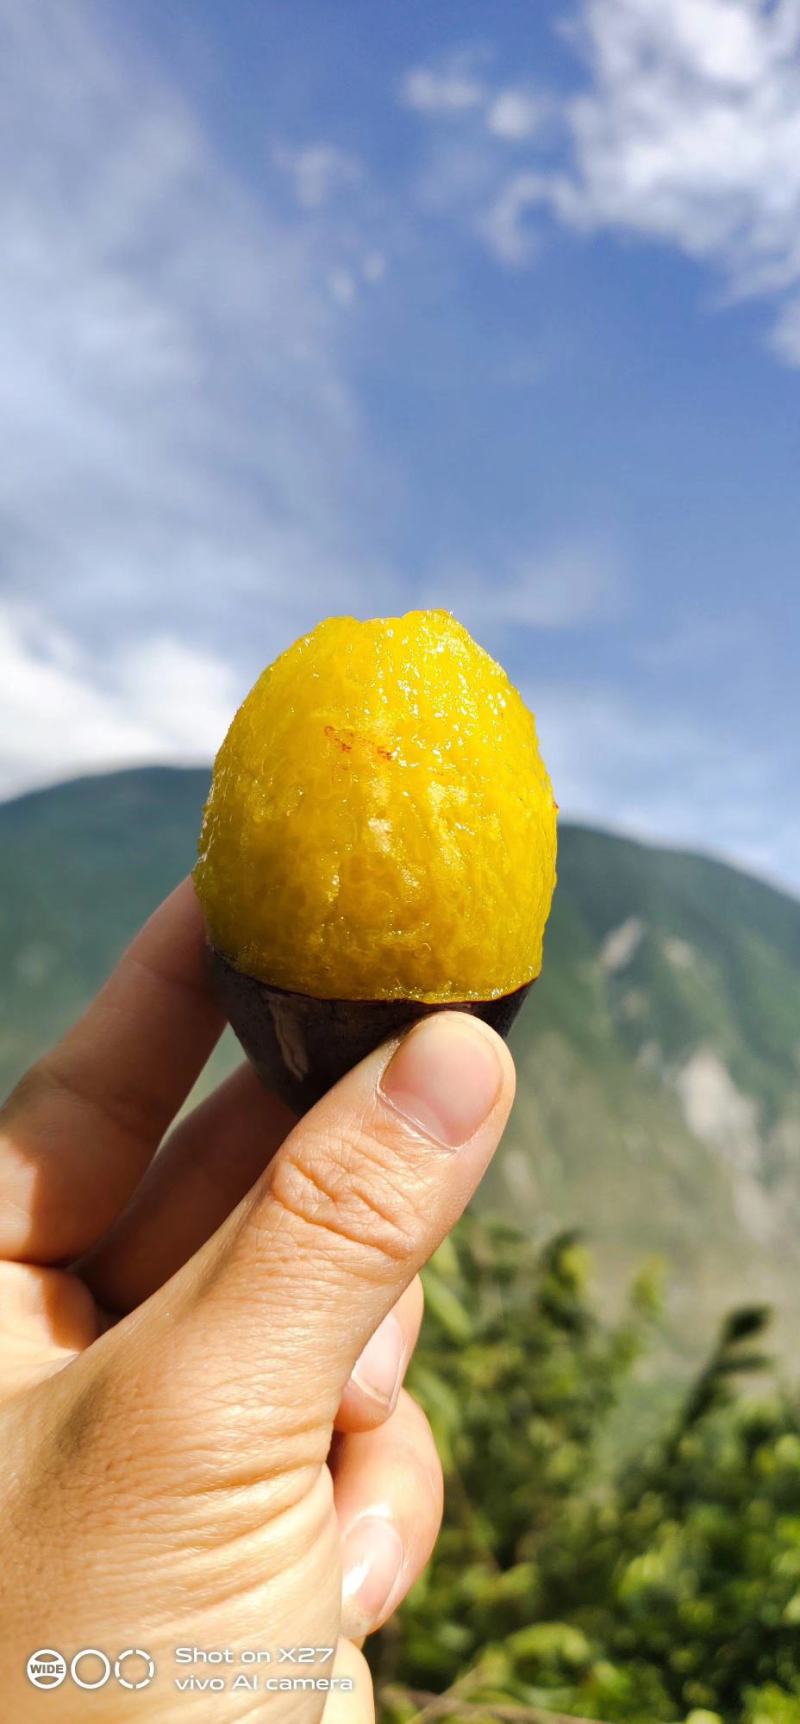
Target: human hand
<point>204,1439</point>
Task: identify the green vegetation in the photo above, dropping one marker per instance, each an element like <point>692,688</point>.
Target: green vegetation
<point>664,1589</point>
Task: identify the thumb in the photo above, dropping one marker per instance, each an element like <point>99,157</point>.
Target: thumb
<point>195,1433</point>
<point>284,1298</point>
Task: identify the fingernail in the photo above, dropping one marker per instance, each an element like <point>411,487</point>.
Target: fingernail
<point>372,1560</point>
<point>444,1078</point>
<point>378,1372</point>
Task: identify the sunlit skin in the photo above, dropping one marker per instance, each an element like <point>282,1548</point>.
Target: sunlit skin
<point>192,1451</point>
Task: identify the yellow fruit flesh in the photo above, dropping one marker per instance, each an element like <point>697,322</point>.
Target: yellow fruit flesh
<point>381,824</point>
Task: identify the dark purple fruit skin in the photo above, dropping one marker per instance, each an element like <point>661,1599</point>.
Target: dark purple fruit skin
<point>300,1045</point>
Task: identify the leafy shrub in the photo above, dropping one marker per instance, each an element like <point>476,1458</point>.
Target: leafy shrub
<point>664,1590</point>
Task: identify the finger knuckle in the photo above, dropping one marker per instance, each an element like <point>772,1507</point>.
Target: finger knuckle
<point>349,1188</point>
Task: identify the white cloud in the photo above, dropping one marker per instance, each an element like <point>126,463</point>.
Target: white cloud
<point>155,700</point>
<point>462,173</point>
<point>503,225</point>
<point>181,448</point>
<point>689,130</point>
<point>449,89</point>
<point>318,172</point>
<point>684,130</point>
<point>516,114</point>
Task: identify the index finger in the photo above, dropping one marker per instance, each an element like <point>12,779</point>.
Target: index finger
<point>79,1130</point>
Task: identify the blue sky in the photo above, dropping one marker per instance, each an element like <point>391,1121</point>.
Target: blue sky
<point>320,308</point>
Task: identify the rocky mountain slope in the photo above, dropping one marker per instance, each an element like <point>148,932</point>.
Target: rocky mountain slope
<point>659,1055</point>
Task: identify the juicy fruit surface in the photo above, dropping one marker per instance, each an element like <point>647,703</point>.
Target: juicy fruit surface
<point>381,824</point>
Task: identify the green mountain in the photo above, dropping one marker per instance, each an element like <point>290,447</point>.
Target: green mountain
<point>659,1054</point>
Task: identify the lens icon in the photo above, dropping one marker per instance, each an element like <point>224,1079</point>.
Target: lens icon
<point>46,1668</point>
<point>90,1652</point>
<point>135,1677</point>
